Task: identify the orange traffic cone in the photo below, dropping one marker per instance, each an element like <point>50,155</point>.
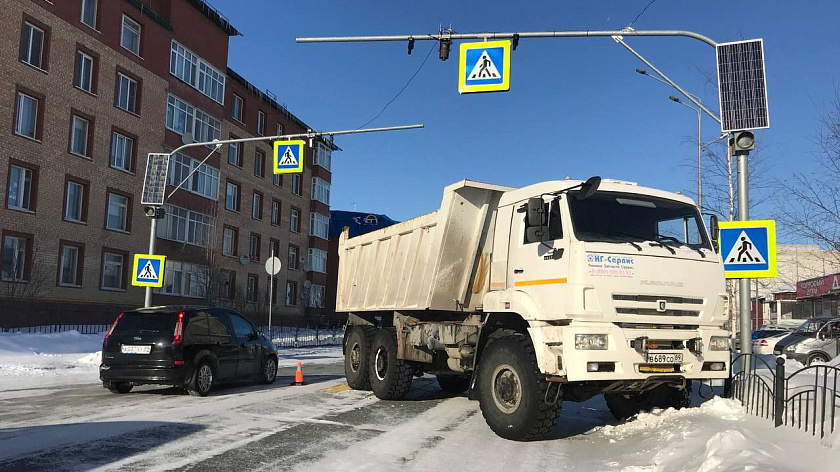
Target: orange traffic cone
<point>298,376</point>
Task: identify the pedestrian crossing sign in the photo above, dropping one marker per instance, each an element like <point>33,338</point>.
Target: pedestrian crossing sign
<point>148,270</point>
<point>748,249</point>
<point>484,67</point>
<point>288,157</point>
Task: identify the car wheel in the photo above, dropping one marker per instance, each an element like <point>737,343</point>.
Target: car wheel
<point>357,357</point>
<point>512,390</point>
<point>454,383</point>
<point>390,378</point>
<point>817,358</point>
<point>119,387</point>
<point>269,372</point>
<point>202,380</point>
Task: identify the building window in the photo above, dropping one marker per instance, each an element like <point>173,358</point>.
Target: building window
<point>252,289</point>
<point>195,71</point>
<point>126,93</point>
<point>130,38</point>
<point>117,217</point>
<point>74,202</point>
<point>89,8</point>
<point>291,293</point>
<point>235,153</point>
<point>279,129</point>
<point>184,279</point>
<point>70,265</point>
<point>259,163</point>
<point>317,294</point>
<point>16,258</point>
<point>232,197</point>
<point>371,220</point>
<point>122,152</point>
<point>319,225</point>
<point>256,206</point>
<point>79,136</point>
<point>204,181</point>
<point>261,123</point>
<point>33,45</point>
<point>296,184</point>
<point>113,271</point>
<point>238,108</point>
<point>275,212</point>
<point>186,226</point>
<point>277,180</point>
<point>26,118</point>
<point>229,243</point>
<point>293,257</point>
<point>318,260</point>
<point>84,72</point>
<point>254,247</point>
<point>227,284</point>
<point>323,156</point>
<point>294,220</point>
<point>182,118</point>
<point>21,182</point>
<point>273,247</point>
<point>321,190</point>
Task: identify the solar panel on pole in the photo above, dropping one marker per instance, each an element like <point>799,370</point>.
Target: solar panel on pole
<point>154,184</point>
<point>742,86</point>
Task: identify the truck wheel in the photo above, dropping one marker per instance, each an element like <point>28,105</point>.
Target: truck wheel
<point>390,378</point>
<point>512,390</point>
<point>202,380</point>
<point>453,383</point>
<point>624,406</point>
<point>118,387</point>
<point>356,357</point>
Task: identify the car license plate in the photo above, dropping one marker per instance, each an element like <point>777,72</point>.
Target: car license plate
<point>127,349</point>
<point>675,358</point>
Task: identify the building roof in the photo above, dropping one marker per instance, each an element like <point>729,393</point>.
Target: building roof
<point>215,16</point>
<point>358,222</point>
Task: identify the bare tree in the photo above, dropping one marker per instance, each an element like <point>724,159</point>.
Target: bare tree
<point>19,282</point>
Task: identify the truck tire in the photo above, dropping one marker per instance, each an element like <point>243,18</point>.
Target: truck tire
<point>390,378</point>
<point>357,357</point>
<point>454,383</point>
<point>512,390</point>
<point>624,406</point>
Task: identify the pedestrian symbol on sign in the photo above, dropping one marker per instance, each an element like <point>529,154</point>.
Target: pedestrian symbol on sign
<point>148,272</point>
<point>748,249</point>
<point>744,252</point>
<point>484,68</point>
<point>289,158</point>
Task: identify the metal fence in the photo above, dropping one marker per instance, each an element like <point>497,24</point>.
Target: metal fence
<point>83,329</point>
<point>304,336</point>
<point>807,399</point>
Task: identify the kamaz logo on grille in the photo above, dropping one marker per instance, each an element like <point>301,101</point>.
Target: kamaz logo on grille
<point>661,283</point>
<point>661,306</point>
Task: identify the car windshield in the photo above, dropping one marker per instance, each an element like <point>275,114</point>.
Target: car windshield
<point>766,333</point>
<point>617,217</point>
<point>145,323</point>
<point>810,327</point>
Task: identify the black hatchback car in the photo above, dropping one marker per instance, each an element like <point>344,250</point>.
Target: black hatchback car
<point>188,347</point>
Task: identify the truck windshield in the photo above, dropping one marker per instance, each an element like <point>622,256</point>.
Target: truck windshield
<point>619,217</point>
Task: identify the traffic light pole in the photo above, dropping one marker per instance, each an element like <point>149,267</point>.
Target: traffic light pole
<point>744,284</point>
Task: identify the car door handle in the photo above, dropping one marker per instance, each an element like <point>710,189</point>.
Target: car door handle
<point>518,271</point>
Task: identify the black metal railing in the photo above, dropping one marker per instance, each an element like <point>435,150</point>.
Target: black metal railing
<point>807,399</point>
<point>304,336</point>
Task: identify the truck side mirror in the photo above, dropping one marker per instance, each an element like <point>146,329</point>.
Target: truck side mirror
<point>713,227</point>
<point>536,234</point>
<point>536,209</point>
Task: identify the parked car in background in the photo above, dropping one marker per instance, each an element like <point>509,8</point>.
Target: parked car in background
<point>816,340</point>
<point>190,347</point>
<point>765,339</point>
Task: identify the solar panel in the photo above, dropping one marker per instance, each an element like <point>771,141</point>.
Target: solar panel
<point>154,184</point>
<point>742,86</point>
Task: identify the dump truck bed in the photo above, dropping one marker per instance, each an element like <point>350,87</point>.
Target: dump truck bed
<point>437,261</point>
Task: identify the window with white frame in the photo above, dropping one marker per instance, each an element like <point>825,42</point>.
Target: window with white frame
<point>294,220</point>
<point>317,295</point>
<point>117,218</point>
<point>89,8</point>
<point>252,290</point>
<point>277,180</point>
<point>254,247</point>
<point>293,257</point>
<point>197,72</point>
<point>74,206</point>
<point>186,226</point>
<point>238,107</point>
<point>79,136</point>
<point>207,128</point>
<point>204,181</point>
<point>319,225</point>
<point>181,117</point>
<point>126,93</point>
<point>259,163</point>
<point>69,265</point>
<point>318,260</point>
<point>229,241</point>
<point>122,152</point>
<point>32,51</point>
<point>296,187</point>
<point>84,72</point>
<point>232,196</point>
<point>184,279</point>
<point>113,270</point>
<point>256,206</point>
<point>261,123</point>
<point>279,129</point>
<point>130,38</point>
<point>26,119</point>
<point>323,156</point>
<point>291,293</point>
<point>20,188</point>
<point>235,153</point>
<point>321,190</point>
<point>275,212</point>
<point>15,250</point>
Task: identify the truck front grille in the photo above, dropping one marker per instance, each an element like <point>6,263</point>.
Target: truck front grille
<point>656,298</point>
<point>653,312</point>
<point>652,305</point>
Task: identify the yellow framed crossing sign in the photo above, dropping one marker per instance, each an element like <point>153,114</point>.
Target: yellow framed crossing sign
<point>748,249</point>
<point>484,67</point>
<point>148,270</point>
<point>288,156</point>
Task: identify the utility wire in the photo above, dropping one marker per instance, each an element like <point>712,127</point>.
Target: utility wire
<point>402,89</point>
<point>642,12</point>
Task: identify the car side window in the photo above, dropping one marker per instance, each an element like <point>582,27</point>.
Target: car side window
<point>197,331</point>
<point>241,327</point>
<point>218,327</point>
<point>833,330</point>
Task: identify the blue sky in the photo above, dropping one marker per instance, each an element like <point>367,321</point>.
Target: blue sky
<point>576,106</point>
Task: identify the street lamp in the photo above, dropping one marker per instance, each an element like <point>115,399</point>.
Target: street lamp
<point>699,149</point>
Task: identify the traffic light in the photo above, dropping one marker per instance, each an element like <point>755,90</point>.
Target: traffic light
<point>156,213</point>
<point>741,142</point>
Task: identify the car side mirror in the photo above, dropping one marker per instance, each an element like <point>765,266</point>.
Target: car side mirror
<point>715,229</point>
<point>821,335</point>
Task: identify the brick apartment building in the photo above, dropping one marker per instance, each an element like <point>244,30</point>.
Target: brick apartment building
<point>90,88</point>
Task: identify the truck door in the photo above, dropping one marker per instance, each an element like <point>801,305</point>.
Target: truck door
<point>538,259</point>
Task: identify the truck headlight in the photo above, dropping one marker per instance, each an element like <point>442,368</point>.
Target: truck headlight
<point>719,343</point>
<point>591,341</point>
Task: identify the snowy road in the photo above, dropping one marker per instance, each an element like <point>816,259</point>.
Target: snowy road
<point>324,426</point>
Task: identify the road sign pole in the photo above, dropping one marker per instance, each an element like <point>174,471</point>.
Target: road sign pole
<point>270,294</point>
<point>744,284</point>
<point>148,300</point>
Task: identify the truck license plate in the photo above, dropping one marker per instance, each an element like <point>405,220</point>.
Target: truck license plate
<point>127,349</point>
<point>664,358</point>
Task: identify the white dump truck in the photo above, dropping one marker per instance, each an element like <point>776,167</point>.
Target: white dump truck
<point>529,297</point>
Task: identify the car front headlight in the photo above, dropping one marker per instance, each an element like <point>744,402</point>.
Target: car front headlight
<point>719,343</point>
<point>591,341</point>
<point>791,348</point>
